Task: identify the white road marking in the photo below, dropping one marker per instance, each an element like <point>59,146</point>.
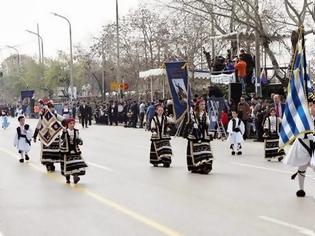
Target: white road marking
<point>300,229</point>
<point>100,166</point>
<point>268,169</point>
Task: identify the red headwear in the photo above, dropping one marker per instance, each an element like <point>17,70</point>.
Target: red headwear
<point>199,101</point>
<point>70,120</point>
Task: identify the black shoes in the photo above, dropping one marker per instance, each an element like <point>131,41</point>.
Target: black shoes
<point>76,179</point>
<point>239,153</point>
<point>68,179</point>
<point>233,153</point>
<point>300,193</point>
<point>50,167</point>
<point>27,158</point>
<point>21,160</point>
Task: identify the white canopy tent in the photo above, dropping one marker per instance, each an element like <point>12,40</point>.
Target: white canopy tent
<point>161,73</point>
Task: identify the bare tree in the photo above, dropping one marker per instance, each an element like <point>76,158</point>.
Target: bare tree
<point>246,17</point>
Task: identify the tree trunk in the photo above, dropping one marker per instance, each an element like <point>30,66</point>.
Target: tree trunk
<point>279,74</point>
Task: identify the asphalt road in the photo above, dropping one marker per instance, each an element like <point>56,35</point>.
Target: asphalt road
<point>122,194</point>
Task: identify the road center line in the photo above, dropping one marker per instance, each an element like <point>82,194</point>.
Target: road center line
<point>268,169</point>
<point>105,201</point>
<point>300,229</point>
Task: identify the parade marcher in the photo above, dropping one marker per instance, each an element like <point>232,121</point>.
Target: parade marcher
<point>161,150</point>
<point>48,129</point>
<point>236,130</point>
<point>72,163</point>
<point>199,155</point>
<point>302,156</point>
<point>271,135</point>
<point>5,122</point>
<point>23,138</point>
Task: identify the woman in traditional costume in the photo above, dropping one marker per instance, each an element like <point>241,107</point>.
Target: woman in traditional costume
<point>199,154</point>
<point>50,125</point>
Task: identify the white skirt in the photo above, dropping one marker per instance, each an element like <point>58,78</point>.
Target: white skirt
<point>298,155</point>
<point>235,137</point>
<point>22,145</point>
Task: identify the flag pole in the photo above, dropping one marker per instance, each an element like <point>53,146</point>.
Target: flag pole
<point>304,61</point>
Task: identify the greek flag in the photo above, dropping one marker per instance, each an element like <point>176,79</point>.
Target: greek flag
<point>296,118</point>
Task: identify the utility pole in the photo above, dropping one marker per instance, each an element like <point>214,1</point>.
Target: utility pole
<point>103,71</point>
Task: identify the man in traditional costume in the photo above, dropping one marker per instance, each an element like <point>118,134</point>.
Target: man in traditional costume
<point>48,129</point>
<point>73,163</point>
<point>271,127</point>
<point>199,155</point>
<point>161,150</point>
<point>23,138</point>
<point>236,131</point>
<point>302,155</point>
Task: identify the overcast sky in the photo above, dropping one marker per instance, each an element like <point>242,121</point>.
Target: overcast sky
<point>86,16</point>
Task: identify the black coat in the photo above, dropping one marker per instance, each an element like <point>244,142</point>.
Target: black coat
<point>84,111</point>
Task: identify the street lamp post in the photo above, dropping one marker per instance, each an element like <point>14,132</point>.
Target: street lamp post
<point>41,52</point>
<point>71,60</point>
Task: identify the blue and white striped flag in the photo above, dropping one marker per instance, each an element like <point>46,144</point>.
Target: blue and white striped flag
<point>296,118</point>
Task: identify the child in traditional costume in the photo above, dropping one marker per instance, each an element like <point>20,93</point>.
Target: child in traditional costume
<point>236,131</point>
<point>161,150</point>
<point>73,163</point>
<point>199,155</point>
<point>22,140</point>
<point>271,136</point>
<point>5,122</point>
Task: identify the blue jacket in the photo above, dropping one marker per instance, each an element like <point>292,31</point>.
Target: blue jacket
<point>150,112</point>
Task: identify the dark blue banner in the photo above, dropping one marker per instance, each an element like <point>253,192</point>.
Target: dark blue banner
<point>178,81</point>
<point>27,95</point>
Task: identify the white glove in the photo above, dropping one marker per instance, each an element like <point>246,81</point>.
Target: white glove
<point>195,126</point>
